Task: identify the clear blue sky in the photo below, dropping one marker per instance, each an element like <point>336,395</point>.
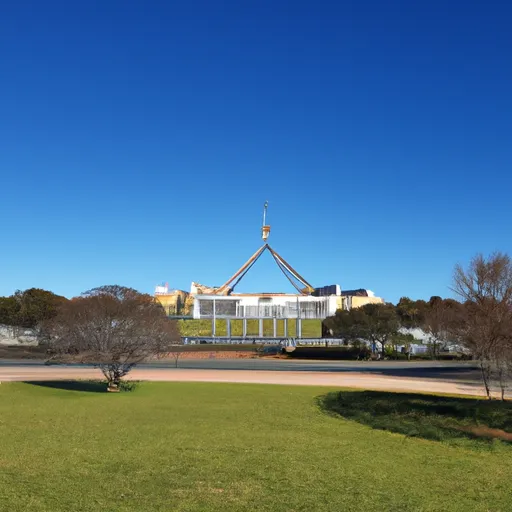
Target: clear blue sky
<point>139,140</point>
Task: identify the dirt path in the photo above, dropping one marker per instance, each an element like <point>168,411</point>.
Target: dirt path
<point>348,379</point>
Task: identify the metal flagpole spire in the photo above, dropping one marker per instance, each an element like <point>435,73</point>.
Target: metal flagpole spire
<point>265,229</point>
<point>285,267</point>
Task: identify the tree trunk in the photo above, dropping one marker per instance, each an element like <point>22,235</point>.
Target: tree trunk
<point>113,376</point>
<point>485,379</point>
<point>502,380</point>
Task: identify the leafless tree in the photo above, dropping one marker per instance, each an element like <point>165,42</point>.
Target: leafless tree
<point>484,323</point>
<point>434,326</point>
<point>112,327</point>
<point>436,322</point>
<point>176,351</point>
<point>501,363</point>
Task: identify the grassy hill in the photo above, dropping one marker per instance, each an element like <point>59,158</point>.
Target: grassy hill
<point>310,328</point>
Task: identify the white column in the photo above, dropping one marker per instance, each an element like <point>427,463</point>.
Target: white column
<point>214,327</point>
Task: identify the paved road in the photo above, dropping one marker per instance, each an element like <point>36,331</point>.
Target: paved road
<point>331,379</point>
<point>432,369</point>
<point>426,369</point>
<point>424,376</point>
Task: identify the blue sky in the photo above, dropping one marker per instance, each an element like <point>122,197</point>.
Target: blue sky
<point>139,141</point>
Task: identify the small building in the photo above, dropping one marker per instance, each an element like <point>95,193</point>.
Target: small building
<point>175,302</point>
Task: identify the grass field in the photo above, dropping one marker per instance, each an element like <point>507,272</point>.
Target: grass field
<point>229,447</point>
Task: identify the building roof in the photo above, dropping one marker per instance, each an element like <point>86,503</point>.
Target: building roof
<point>361,292</point>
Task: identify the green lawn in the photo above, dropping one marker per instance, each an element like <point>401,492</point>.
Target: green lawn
<point>311,328</point>
<point>228,447</point>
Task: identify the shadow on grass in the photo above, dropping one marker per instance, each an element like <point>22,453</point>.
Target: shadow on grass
<point>90,386</point>
<point>426,416</point>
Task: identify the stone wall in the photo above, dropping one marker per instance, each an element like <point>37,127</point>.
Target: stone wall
<point>12,335</point>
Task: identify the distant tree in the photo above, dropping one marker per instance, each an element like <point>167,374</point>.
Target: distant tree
<point>411,313</point>
<point>9,310</point>
<point>484,323</point>
<point>381,323</point>
<point>29,308</point>
<point>35,306</point>
<point>176,351</point>
<point>402,339</point>
<point>436,321</point>
<point>346,324</point>
<point>371,322</point>
<point>113,327</point>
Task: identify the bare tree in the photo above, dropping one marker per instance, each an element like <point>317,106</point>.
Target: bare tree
<point>176,351</point>
<point>502,370</point>
<point>436,321</point>
<point>484,323</point>
<point>112,327</point>
<point>434,326</point>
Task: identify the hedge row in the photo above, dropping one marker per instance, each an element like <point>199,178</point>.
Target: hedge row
<point>341,353</point>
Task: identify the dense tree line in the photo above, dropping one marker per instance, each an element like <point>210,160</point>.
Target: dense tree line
<point>481,321</point>
<point>29,308</point>
<point>383,324</point>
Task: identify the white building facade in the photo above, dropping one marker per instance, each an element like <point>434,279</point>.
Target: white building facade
<point>265,306</point>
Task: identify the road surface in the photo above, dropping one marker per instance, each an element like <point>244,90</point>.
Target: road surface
<point>433,377</point>
<point>413,368</point>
